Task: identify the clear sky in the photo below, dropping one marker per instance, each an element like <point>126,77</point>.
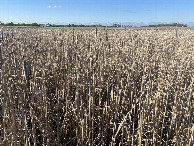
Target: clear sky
<point>99,11</point>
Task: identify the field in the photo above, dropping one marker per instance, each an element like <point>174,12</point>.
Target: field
<point>96,86</point>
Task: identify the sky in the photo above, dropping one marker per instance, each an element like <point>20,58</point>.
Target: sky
<point>97,11</point>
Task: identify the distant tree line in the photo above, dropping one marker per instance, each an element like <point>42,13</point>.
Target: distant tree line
<point>56,25</point>
<point>82,25</point>
<point>77,25</point>
<point>48,25</point>
<point>172,24</point>
<point>18,24</point>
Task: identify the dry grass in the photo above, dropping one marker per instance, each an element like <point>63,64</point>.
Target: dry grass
<point>96,87</point>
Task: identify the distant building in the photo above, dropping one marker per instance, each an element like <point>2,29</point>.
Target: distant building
<point>42,25</point>
<point>116,25</point>
<point>126,26</point>
<point>45,25</point>
<point>48,25</point>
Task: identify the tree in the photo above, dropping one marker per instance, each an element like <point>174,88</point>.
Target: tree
<point>10,24</point>
<point>1,23</point>
<point>34,24</point>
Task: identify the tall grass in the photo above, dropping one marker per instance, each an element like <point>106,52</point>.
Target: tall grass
<point>96,86</point>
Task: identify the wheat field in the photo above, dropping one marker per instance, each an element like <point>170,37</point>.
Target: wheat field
<point>96,86</point>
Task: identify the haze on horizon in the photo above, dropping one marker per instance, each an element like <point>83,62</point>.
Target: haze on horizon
<point>137,12</point>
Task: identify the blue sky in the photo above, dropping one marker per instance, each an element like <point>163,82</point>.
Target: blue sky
<point>97,11</point>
